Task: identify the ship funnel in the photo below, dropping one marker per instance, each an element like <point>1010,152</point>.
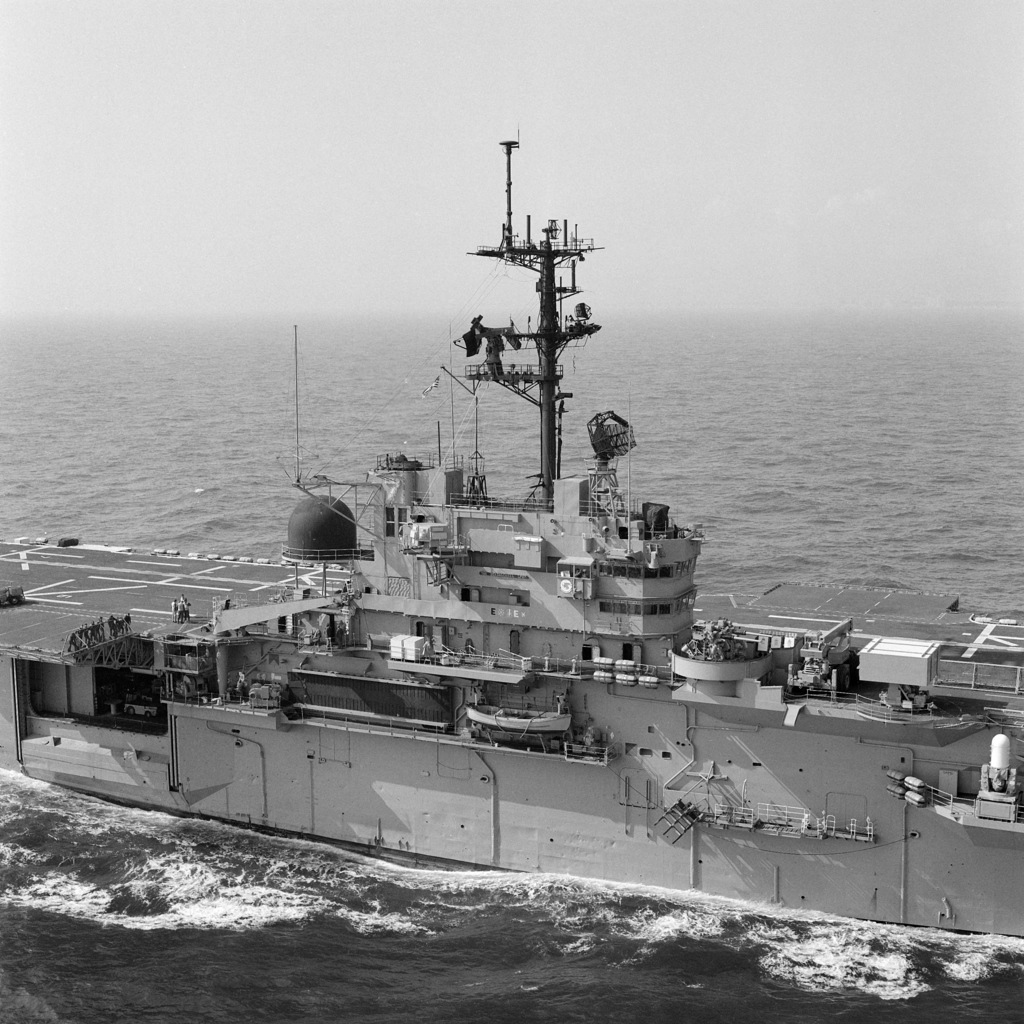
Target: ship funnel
<point>999,758</point>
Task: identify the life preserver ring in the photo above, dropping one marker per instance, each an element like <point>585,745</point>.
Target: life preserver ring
<point>565,585</point>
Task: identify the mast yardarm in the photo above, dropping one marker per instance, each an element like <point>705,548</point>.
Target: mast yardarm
<point>538,383</point>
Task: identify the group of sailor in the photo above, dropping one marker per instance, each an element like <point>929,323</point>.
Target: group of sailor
<point>181,610</point>
<point>99,632</point>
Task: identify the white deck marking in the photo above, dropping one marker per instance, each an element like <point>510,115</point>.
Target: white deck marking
<point>103,590</point>
<point>47,586</point>
<point>175,582</point>
<point>163,565</point>
<point>223,579</point>
<point>979,641</point>
<point>801,618</point>
<point>24,561</point>
<point>115,579</point>
<point>1013,644</point>
<point>53,600</point>
<point>185,585</point>
<point>152,611</point>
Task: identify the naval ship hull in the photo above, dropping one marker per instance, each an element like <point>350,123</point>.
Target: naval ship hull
<point>426,797</point>
<point>431,802</point>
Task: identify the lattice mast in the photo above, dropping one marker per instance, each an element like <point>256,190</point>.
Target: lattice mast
<point>552,335</point>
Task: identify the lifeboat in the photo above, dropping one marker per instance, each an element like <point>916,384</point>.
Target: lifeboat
<point>519,721</point>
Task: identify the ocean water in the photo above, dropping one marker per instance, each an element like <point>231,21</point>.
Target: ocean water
<point>854,447</point>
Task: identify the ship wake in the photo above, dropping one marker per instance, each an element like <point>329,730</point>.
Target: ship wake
<point>71,856</point>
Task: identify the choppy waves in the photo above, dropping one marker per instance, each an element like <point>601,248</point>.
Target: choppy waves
<point>71,857</point>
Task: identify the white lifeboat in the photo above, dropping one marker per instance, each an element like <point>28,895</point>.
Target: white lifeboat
<point>519,721</point>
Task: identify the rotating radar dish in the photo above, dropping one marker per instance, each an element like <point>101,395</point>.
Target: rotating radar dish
<point>610,435</point>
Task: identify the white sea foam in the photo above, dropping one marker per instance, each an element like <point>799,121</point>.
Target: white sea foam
<point>188,874</point>
<point>832,961</point>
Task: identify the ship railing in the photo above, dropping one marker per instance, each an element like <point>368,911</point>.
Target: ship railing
<point>389,461</point>
<point>581,667</point>
<point>389,725</point>
<point>448,657</point>
<point>869,707</point>
<point>940,798</point>
<point>949,801</point>
<point>502,659</point>
<point>731,814</point>
<point>882,711</point>
<point>193,663</point>
<point>270,596</point>
<point>820,696</point>
<point>1006,718</point>
<point>588,754</point>
<point>509,371</point>
<point>561,244</point>
<point>522,702</point>
<point>981,676</point>
<point>501,504</point>
<point>797,821</point>
<point>319,557</point>
<point>781,814</point>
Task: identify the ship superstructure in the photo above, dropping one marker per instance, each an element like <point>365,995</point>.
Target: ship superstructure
<point>438,676</point>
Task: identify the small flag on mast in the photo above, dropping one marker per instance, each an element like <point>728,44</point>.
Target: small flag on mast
<point>430,387</point>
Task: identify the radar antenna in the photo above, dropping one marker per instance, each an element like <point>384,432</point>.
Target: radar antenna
<point>536,383</point>
<point>610,437</point>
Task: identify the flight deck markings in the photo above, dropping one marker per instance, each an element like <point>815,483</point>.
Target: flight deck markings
<point>801,618</point>
<point>174,581</point>
<point>47,586</point>
<point>104,590</point>
<point>979,641</point>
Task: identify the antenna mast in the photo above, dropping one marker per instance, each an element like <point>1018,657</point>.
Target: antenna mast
<point>506,239</point>
<point>298,462</point>
<point>539,384</point>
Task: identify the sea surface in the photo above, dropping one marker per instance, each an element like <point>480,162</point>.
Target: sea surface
<point>855,447</point>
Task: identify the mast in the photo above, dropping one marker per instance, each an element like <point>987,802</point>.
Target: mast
<point>298,461</point>
<point>539,383</point>
<point>508,147</point>
<point>547,347</point>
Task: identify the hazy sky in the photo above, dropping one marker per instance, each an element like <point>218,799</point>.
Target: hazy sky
<point>301,157</point>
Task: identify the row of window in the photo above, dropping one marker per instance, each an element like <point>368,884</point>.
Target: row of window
<point>646,607</point>
<point>630,570</point>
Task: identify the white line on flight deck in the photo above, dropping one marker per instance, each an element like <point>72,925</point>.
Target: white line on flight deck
<point>104,590</point>
<point>47,586</point>
<point>979,641</point>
